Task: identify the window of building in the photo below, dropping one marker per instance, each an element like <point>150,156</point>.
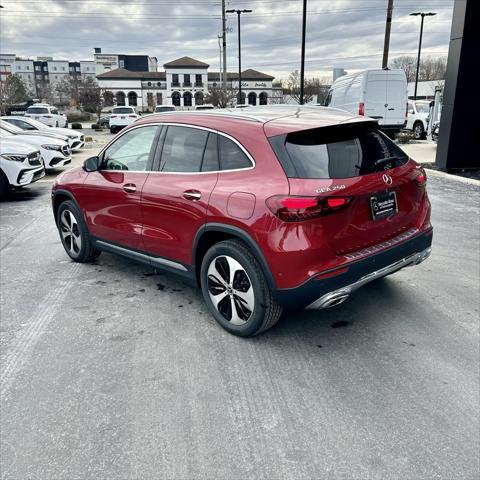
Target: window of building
<point>159,99</point>
<point>175,79</point>
<point>159,84</point>
<point>183,149</point>
<point>120,97</point>
<point>37,68</point>
<point>198,98</point>
<point>263,98</point>
<point>186,79</point>
<point>198,80</point>
<point>63,68</point>
<point>232,156</point>
<point>149,84</point>
<point>187,99</point>
<point>54,69</point>
<point>132,99</point>
<point>252,98</point>
<point>176,99</point>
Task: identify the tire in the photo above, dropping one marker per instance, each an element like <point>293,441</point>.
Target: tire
<point>74,233</point>
<point>56,124</point>
<point>418,131</point>
<point>255,308</point>
<point>4,184</point>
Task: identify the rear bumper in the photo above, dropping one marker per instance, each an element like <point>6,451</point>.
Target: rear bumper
<point>327,292</point>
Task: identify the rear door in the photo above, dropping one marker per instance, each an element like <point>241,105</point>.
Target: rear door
<point>396,103</point>
<point>376,96</point>
<point>176,195</point>
<point>363,166</point>
<point>111,196</point>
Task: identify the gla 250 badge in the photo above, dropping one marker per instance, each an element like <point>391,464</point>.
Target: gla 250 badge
<point>333,188</point>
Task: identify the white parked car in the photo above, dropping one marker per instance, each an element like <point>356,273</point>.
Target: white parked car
<point>121,117</point>
<point>75,139</point>
<point>164,108</point>
<point>206,106</point>
<point>46,114</point>
<point>20,164</point>
<point>376,93</point>
<point>55,153</point>
<point>417,118</point>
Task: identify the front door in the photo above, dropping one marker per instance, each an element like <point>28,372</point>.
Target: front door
<point>111,197</point>
<point>175,197</point>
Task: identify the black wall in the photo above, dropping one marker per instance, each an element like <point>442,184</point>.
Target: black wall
<point>135,63</point>
<point>455,150</point>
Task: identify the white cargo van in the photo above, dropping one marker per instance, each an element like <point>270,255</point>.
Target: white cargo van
<point>379,94</point>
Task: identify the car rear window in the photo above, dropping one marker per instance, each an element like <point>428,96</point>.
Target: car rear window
<point>37,110</point>
<point>122,110</point>
<point>343,151</point>
<point>164,109</point>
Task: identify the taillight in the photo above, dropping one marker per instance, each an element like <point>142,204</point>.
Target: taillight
<point>421,178</point>
<point>298,209</point>
<point>361,109</point>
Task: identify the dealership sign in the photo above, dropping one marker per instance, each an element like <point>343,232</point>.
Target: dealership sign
<point>254,84</point>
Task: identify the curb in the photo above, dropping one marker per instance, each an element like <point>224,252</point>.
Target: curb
<point>458,178</point>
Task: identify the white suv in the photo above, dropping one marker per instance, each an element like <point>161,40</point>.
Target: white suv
<point>46,114</point>
<point>75,139</point>
<point>121,117</point>
<point>55,153</point>
<point>418,112</point>
<point>20,164</point>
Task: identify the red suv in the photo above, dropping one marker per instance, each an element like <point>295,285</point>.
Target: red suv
<point>264,209</point>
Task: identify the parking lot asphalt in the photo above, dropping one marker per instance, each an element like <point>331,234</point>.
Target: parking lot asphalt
<point>114,371</point>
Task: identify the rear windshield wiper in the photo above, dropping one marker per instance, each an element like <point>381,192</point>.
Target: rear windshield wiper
<point>380,161</point>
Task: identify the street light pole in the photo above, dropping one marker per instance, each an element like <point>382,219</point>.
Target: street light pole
<point>302,62</point>
<point>224,46</point>
<point>423,15</point>
<point>239,12</point>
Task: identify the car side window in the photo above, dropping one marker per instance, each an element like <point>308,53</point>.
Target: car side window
<point>183,149</point>
<point>232,157</point>
<point>132,150</point>
<point>410,109</point>
<point>210,156</point>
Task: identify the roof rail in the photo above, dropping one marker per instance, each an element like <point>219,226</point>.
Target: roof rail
<point>214,113</point>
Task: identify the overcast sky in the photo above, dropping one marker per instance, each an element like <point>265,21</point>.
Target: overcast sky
<point>340,33</point>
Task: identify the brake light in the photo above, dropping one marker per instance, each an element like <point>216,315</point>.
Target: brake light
<point>361,109</point>
<point>421,178</point>
<point>335,202</point>
<point>298,209</point>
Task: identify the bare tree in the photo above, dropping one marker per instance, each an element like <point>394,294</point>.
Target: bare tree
<point>314,88</point>
<point>46,94</point>
<point>90,96</point>
<point>430,68</point>
<point>221,98</point>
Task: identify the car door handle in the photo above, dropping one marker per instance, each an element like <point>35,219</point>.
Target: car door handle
<point>130,187</point>
<point>193,195</point>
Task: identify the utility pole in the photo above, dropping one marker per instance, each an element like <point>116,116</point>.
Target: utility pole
<point>388,28</point>
<point>239,12</point>
<point>423,15</point>
<point>220,58</point>
<point>224,46</point>
<point>302,63</point>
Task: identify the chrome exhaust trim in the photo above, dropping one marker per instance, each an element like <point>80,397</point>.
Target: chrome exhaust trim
<point>337,297</point>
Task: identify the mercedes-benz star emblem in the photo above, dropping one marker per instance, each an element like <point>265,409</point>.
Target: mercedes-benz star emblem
<point>387,179</point>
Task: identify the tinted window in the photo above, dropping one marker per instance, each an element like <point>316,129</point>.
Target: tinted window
<point>122,110</point>
<point>37,110</point>
<point>183,149</point>
<point>231,155</point>
<point>341,152</point>
<point>131,151</point>
<point>210,157</point>
<point>164,109</point>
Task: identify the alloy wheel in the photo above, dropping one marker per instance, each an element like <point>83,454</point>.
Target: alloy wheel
<point>70,231</point>
<point>230,290</point>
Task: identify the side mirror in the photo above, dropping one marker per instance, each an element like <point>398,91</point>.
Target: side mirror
<point>91,164</point>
